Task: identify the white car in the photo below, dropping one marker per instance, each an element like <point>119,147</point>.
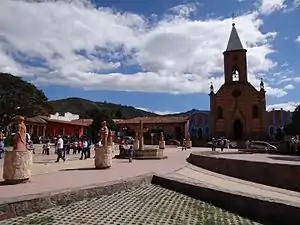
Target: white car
<point>262,145</point>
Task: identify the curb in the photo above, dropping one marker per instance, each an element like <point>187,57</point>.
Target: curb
<point>21,206</point>
<point>259,210</point>
<point>285,176</point>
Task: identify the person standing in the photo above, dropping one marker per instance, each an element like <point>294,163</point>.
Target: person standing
<point>222,144</point>
<point>213,144</point>
<point>183,144</point>
<point>130,153</point>
<point>75,147</point>
<point>84,149</point>
<point>1,148</point>
<point>60,149</point>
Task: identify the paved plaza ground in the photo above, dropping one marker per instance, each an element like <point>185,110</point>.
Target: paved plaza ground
<point>50,176</point>
<point>148,204</point>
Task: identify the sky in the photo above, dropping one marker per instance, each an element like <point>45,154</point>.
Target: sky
<point>157,55</point>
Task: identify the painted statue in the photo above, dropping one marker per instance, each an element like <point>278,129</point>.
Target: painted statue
<point>104,133</point>
<point>162,136</point>
<point>19,141</point>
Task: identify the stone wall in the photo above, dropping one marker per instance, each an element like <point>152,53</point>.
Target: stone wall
<point>272,174</point>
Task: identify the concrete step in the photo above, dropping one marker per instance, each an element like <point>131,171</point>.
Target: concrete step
<point>264,204</point>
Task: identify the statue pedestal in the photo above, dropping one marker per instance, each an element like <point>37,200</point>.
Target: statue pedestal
<point>136,145</point>
<point>188,144</point>
<point>103,157</point>
<point>17,166</point>
<point>162,144</point>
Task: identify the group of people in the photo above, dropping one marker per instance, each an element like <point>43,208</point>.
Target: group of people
<point>222,143</point>
<point>63,147</point>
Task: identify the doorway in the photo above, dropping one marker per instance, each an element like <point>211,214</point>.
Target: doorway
<point>238,130</point>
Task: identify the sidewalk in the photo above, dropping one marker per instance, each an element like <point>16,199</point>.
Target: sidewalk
<point>56,177</point>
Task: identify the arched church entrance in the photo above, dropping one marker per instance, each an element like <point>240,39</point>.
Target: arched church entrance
<point>237,130</point>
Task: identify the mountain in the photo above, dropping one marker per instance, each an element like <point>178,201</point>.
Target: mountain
<point>80,106</point>
<point>188,113</point>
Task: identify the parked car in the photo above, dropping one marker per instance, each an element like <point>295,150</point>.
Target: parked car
<point>262,145</point>
<point>129,140</point>
<point>173,142</point>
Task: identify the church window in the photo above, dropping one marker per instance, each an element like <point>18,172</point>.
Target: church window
<point>235,73</point>
<point>255,112</point>
<point>220,112</point>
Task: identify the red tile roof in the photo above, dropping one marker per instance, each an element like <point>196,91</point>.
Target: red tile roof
<point>35,119</point>
<point>154,120</point>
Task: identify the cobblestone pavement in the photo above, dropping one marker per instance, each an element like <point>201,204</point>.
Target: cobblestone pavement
<point>148,204</point>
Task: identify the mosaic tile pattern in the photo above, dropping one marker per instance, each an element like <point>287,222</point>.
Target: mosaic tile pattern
<point>148,204</point>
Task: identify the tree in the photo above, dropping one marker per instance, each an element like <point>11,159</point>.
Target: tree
<point>18,97</point>
<point>293,128</point>
<point>118,114</point>
<point>98,117</point>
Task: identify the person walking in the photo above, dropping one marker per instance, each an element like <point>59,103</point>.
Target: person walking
<point>60,149</point>
<point>183,144</point>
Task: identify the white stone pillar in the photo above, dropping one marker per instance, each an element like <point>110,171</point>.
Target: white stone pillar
<point>17,166</point>
<point>103,157</point>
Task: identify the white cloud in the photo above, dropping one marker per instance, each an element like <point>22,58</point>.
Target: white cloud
<point>158,112</point>
<point>289,87</point>
<point>298,39</point>
<point>176,55</point>
<point>269,6</point>
<point>288,106</point>
<point>184,10</point>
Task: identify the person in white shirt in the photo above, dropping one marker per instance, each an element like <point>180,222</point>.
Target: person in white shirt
<point>84,149</point>
<point>60,149</point>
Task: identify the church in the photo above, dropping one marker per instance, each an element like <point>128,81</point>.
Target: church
<point>237,109</point>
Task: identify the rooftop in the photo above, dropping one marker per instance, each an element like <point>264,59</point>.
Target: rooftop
<point>234,42</point>
<point>155,119</point>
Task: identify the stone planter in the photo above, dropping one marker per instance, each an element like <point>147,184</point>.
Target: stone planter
<point>17,166</point>
<point>162,144</point>
<point>103,157</point>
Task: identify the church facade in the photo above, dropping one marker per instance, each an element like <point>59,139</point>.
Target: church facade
<point>238,109</point>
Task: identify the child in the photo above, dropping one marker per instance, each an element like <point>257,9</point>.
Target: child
<point>1,148</point>
<point>130,153</point>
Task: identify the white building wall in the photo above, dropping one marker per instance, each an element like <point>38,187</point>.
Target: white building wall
<point>65,117</point>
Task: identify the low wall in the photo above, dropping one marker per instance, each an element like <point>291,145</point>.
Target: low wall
<point>260,210</point>
<point>272,174</point>
<point>21,206</point>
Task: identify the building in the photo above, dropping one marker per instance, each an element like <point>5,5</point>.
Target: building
<point>55,125</point>
<point>276,120</point>
<point>238,110</point>
<point>173,127</point>
<point>199,126</point>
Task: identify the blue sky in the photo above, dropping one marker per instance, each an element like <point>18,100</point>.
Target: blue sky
<point>156,55</point>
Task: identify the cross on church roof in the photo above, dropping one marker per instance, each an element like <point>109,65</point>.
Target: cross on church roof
<point>234,42</point>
